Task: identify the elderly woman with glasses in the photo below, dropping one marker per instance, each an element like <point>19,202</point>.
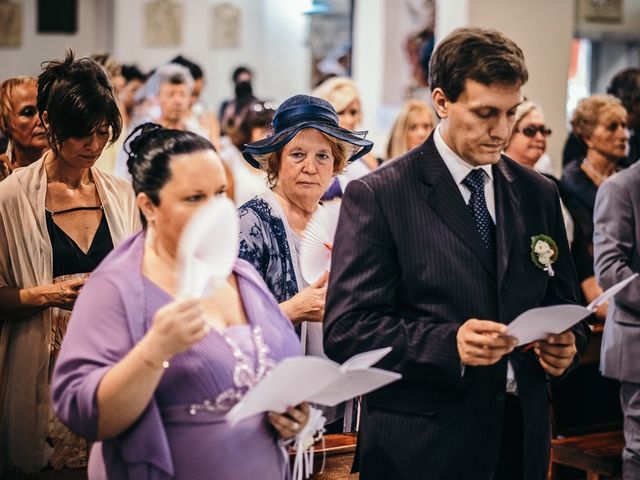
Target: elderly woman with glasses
<point>302,156</point>
<point>528,141</point>
<point>306,150</point>
<point>527,146</point>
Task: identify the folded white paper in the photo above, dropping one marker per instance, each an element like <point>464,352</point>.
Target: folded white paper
<point>313,379</point>
<point>538,323</point>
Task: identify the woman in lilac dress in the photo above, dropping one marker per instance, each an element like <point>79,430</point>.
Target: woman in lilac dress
<point>149,378</point>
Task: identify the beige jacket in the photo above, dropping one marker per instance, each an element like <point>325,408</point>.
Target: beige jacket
<point>26,260</point>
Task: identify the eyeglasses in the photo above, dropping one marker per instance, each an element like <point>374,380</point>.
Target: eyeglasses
<point>531,131</point>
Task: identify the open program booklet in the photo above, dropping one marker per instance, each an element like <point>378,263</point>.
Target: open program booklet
<point>313,379</point>
<point>537,323</point>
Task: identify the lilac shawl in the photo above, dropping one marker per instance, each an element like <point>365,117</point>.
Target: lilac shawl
<point>95,342</point>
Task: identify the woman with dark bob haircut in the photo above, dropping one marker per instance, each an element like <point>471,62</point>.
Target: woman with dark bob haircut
<point>59,217</point>
<point>149,377</point>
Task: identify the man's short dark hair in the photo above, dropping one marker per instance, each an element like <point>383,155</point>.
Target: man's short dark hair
<point>626,86</point>
<point>483,55</point>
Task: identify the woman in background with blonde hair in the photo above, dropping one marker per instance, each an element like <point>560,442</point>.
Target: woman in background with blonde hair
<point>342,94</point>
<point>414,123</point>
<point>601,123</point>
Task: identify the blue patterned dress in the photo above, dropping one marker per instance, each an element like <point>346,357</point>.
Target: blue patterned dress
<point>271,246</point>
<point>267,242</point>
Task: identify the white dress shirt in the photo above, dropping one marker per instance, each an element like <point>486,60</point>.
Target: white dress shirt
<point>459,170</point>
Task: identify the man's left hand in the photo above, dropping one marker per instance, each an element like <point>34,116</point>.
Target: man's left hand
<point>556,352</point>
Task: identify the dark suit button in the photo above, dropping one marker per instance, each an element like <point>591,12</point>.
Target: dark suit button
<point>500,397</point>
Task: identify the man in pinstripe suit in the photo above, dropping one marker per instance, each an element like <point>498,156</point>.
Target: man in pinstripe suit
<point>433,257</point>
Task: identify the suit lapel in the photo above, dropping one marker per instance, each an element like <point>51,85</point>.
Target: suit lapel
<point>444,197</point>
<point>508,216</point>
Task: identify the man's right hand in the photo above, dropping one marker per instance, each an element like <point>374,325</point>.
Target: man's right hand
<point>483,342</point>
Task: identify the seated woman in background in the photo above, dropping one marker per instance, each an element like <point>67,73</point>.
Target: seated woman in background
<point>600,121</point>
<point>528,144</point>
<point>253,124</point>
<point>414,123</point>
<point>59,217</point>
<point>20,122</point>
<point>150,377</point>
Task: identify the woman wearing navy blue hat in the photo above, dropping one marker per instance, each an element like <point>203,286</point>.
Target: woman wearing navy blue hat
<point>306,150</point>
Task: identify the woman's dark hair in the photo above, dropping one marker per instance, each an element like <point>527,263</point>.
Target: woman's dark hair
<point>194,68</point>
<point>77,96</point>
<point>626,86</point>
<point>150,148</point>
<point>254,115</point>
<point>132,72</point>
<point>483,55</point>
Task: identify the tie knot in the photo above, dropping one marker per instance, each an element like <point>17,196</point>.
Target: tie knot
<point>475,180</point>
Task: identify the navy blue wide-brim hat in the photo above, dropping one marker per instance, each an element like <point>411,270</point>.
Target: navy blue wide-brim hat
<point>300,112</point>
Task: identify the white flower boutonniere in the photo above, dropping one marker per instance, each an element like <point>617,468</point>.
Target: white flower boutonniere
<point>544,253</point>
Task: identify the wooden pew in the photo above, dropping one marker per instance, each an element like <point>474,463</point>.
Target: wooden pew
<point>598,454</point>
<point>339,450</point>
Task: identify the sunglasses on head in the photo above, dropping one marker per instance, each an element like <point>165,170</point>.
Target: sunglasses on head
<point>531,131</point>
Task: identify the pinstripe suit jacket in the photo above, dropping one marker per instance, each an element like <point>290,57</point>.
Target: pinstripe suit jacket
<point>408,269</point>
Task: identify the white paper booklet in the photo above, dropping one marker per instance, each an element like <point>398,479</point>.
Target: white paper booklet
<point>537,323</point>
<point>313,379</point>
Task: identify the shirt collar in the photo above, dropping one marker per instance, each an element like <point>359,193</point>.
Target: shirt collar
<point>458,168</point>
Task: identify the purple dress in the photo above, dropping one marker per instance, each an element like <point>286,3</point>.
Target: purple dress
<point>182,433</point>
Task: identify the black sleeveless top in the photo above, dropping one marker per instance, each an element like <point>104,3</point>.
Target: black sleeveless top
<point>68,257</point>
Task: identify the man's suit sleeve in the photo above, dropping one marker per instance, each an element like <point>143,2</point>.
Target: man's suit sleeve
<point>361,312</point>
<point>614,241</point>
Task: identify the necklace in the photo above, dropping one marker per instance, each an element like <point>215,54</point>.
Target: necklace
<point>246,374</point>
<point>599,176</point>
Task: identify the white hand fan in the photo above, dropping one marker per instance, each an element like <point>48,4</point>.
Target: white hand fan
<point>208,248</point>
<point>317,242</point>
